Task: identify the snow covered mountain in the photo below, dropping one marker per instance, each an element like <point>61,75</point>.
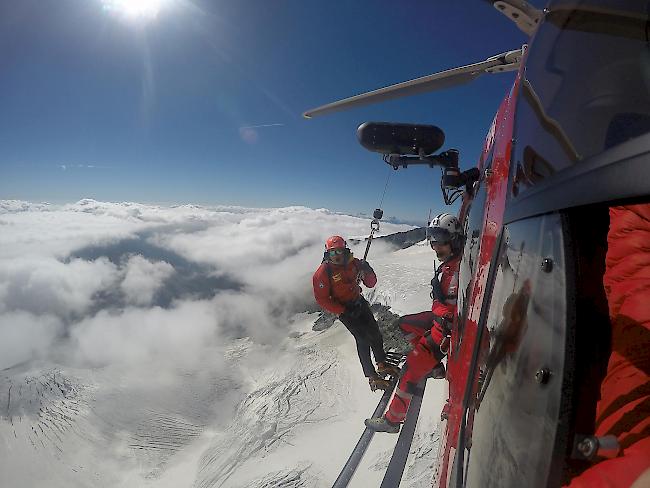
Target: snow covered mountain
<point>169,347</point>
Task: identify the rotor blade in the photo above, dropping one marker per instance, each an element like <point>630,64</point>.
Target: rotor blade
<point>437,81</point>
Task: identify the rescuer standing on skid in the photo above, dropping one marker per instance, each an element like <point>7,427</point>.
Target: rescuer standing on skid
<point>428,331</point>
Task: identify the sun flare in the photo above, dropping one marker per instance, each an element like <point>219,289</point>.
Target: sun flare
<point>136,10</point>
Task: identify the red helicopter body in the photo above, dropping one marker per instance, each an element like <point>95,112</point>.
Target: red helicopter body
<point>548,370</point>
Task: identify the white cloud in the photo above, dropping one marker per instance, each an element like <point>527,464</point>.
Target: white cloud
<point>143,278</point>
<point>24,336</point>
<point>267,236</point>
<point>37,231</point>
<point>246,314</point>
<point>178,335</point>
<point>130,281</point>
<point>13,206</point>
<point>46,286</point>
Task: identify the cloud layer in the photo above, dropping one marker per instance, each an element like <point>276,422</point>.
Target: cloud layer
<point>98,283</point>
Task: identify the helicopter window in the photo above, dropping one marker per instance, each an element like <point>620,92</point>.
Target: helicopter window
<point>586,89</point>
<point>518,375</point>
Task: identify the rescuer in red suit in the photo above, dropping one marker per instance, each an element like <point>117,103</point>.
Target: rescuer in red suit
<point>337,290</point>
<point>427,331</point>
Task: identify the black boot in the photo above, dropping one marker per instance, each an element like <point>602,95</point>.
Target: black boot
<point>438,372</point>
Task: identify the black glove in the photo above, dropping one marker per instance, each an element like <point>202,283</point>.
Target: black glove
<point>446,324</point>
<point>364,267</point>
<point>436,290</point>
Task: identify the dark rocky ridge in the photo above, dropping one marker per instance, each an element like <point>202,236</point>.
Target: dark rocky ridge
<point>387,321</point>
<point>402,240</point>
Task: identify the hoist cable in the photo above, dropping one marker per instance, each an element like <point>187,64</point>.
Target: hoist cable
<point>385,188</point>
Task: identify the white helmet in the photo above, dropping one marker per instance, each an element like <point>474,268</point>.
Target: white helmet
<point>445,229</point>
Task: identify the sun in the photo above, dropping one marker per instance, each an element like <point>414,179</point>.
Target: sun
<point>136,10</point>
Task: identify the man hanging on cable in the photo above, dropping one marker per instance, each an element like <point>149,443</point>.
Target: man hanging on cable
<point>428,332</point>
<point>337,290</point>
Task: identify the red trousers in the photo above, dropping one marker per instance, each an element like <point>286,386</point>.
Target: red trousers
<point>425,334</point>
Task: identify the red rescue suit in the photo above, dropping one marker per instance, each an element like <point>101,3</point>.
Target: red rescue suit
<point>426,331</point>
<point>337,291</point>
<point>336,286</point>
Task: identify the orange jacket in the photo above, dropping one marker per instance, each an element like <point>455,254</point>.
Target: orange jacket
<point>337,287</point>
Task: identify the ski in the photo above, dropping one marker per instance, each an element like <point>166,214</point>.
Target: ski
<point>397,463</point>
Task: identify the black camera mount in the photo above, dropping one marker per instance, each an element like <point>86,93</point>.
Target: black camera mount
<point>452,178</point>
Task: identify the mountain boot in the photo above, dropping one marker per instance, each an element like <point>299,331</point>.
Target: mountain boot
<point>377,383</point>
<point>382,425</point>
<point>438,372</point>
<point>387,369</point>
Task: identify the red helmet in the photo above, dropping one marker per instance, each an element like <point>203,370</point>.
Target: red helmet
<point>335,242</point>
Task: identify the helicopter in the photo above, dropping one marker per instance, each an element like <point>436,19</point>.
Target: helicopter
<point>548,370</point>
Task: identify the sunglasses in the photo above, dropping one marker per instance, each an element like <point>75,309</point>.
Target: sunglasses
<point>336,252</point>
<point>438,236</point>
<point>437,243</point>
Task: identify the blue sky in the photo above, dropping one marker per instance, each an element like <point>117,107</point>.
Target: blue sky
<point>168,109</point>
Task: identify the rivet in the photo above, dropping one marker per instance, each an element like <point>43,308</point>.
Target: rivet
<point>542,376</point>
<point>587,447</point>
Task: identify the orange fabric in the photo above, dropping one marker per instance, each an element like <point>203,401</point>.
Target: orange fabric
<point>333,294</point>
<point>624,407</point>
<point>619,472</point>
